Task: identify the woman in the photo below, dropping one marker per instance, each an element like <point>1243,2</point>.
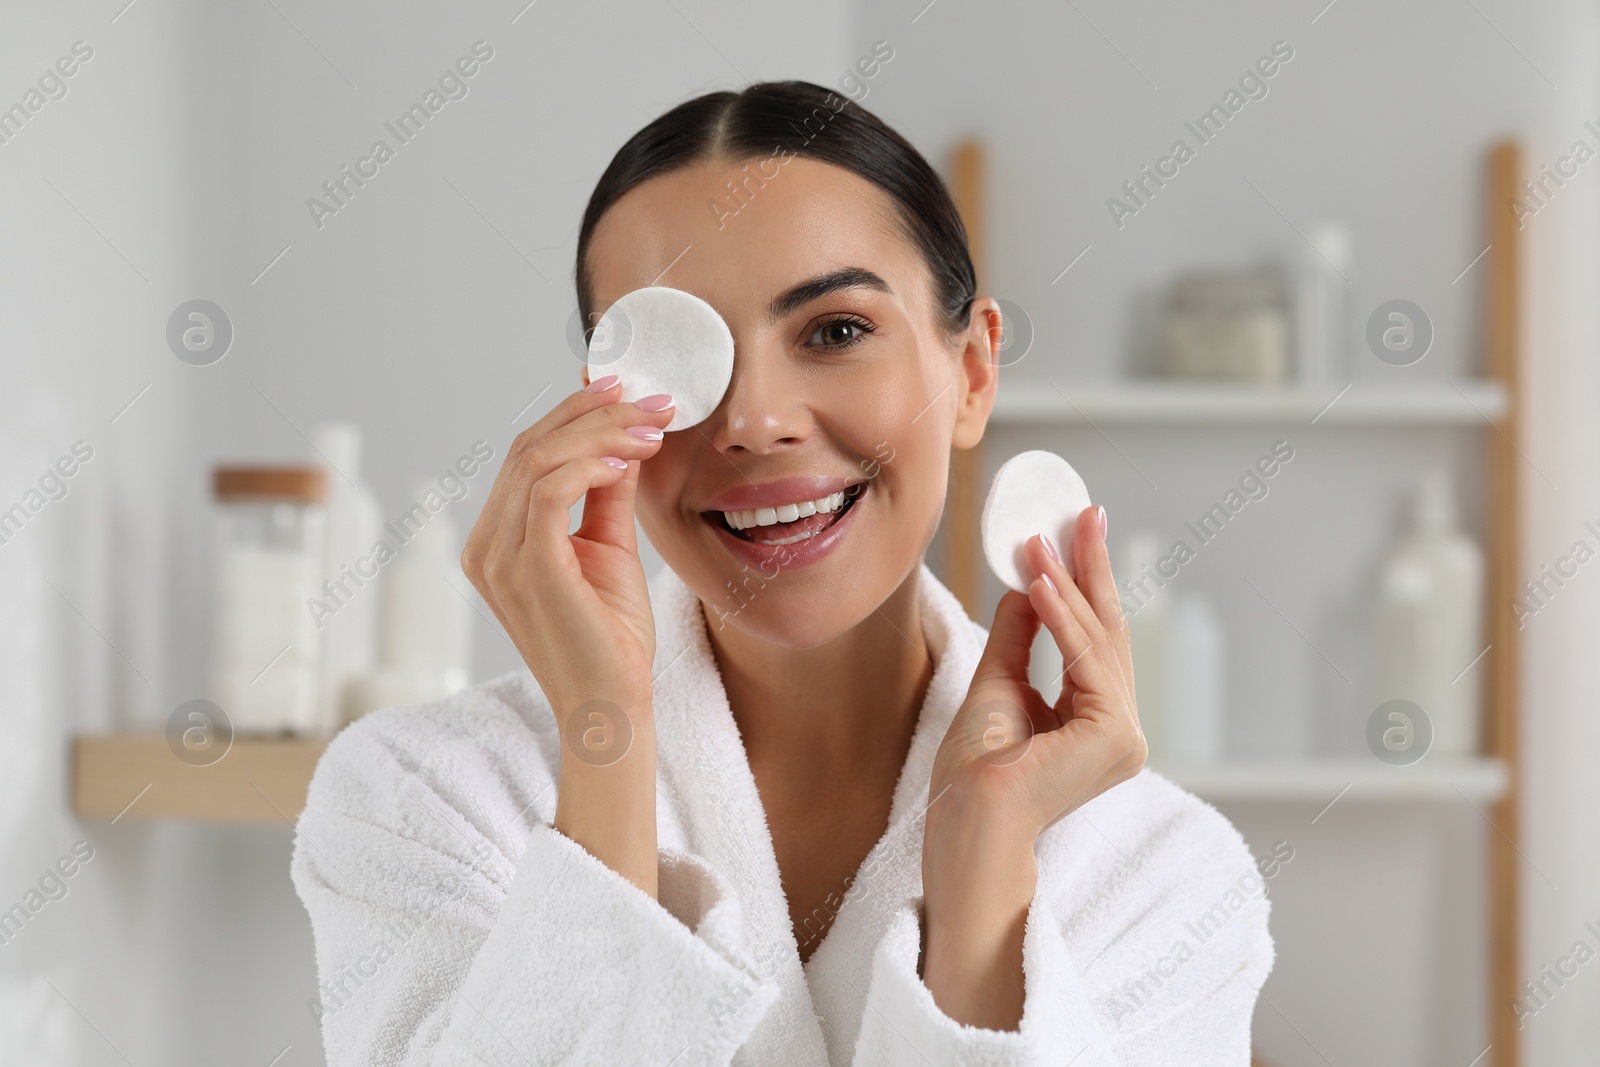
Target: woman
<point>785,803</point>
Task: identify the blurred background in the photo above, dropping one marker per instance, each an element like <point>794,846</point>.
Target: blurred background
<point>1333,346</point>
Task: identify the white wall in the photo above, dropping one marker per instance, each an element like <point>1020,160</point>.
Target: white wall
<point>1561,735</point>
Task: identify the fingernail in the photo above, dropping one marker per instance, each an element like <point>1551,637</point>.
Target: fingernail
<point>600,385</point>
<point>645,433</point>
<point>1049,546</point>
<point>620,464</point>
<point>659,402</point>
<point>1051,584</point>
<point>1102,523</point>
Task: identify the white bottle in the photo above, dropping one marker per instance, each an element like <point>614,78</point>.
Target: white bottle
<point>1430,625</point>
<point>425,646</point>
<point>348,594</point>
<point>1322,299</point>
<point>1194,720</point>
<point>1146,609</point>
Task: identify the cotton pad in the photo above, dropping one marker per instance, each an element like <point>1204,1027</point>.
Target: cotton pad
<point>664,340</point>
<point>1032,493</point>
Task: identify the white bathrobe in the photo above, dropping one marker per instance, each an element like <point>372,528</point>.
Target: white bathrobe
<point>454,925</point>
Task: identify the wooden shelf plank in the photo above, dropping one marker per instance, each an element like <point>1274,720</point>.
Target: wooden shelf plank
<point>1503,358</point>
<point>1319,781</point>
<point>1467,403</point>
<point>136,776</point>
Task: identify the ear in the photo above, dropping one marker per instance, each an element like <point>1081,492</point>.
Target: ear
<point>979,372</point>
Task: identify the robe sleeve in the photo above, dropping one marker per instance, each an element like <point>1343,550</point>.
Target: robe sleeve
<point>435,947</point>
<point>1200,1018</point>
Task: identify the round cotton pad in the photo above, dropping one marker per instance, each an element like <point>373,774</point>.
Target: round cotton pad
<point>664,340</point>
<point>1033,493</point>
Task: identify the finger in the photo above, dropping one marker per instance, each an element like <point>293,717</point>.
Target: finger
<point>511,478</point>
<point>550,501</point>
<point>608,512</point>
<point>1092,565</point>
<point>1010,639</point>
<point>556,450</point>
<point>1085,659</point>
<point>574,406</point>
<point>1041,557</point>
<point>583,411</point>
<point>600,432</point>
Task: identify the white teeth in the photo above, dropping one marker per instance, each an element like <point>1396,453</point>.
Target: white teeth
<point>801,536</point>
<point>743,520</point>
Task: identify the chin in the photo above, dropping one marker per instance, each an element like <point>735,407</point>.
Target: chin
<point>786,620</point>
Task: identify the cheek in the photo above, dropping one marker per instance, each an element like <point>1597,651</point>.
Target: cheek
<point>901,425</point>
<point>661,481</point>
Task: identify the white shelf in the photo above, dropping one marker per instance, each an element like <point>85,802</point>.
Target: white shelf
<point>1319,781</point>
<point>1466,402</point>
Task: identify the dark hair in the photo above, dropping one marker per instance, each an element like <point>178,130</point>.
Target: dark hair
<point>802,119</point>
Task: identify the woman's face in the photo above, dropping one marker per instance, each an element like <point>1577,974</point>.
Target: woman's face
<point>845,401</point>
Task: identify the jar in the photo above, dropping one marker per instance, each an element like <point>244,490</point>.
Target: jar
<point>1230,324</point>
<point>271,530</point>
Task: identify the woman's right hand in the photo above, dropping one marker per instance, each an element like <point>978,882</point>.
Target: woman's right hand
<point>577,608</point>
<point>575,605</point>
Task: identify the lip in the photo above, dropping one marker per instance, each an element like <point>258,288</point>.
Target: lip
<point>786,557</point>
<point>782,491</point>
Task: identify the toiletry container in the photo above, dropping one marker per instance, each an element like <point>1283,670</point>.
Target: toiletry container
<point>1430,624</point>
<point>270,530</point>
<point>348,588</point>
<point>425,645</point>
<point>1194,676</point>
<point>1145,607</point>
<point>1322,267</point>
<point>1227,324</point>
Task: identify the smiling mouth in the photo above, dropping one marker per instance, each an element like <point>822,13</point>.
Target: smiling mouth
<point>790,523</point>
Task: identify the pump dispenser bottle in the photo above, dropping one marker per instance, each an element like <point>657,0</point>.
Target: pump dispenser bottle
<point>1430,624</point>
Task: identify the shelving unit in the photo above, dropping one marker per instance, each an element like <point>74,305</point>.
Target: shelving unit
<point>1323,781</point>
<point>1182,403</point>
<point>137,776</point>
<point>1487,406</point>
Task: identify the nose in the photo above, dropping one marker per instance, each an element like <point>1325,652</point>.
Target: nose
<point>764,411</point>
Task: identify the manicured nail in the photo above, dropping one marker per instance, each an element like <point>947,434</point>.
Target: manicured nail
<point>659,402</point>
<point>600,385</point>
<point>1102,523</point>
<point>646,433</point>
<point>1051,584</point>
<point>620,464</point>
<point>1049,546</point>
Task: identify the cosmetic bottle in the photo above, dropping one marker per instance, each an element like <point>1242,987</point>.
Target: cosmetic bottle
<point>1430,624</point>
<point>1145,607</point>
<point>1195,662</point>
<point>270,527</point>
<point>425,633</point>
<point>1321,304</point>
<point>347,614</point>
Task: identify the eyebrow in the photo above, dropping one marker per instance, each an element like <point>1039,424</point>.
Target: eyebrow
<point>823,284</point>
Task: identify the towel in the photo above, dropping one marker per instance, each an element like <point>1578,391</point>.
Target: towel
<point>454,925</point>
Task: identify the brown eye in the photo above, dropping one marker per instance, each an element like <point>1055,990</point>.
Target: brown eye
<point>841,333</point>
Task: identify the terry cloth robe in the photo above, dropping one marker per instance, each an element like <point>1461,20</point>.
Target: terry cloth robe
<point>454,925</point>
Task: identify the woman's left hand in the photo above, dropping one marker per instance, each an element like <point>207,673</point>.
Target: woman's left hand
<point>1012,765</point>
<point>1010,757</point>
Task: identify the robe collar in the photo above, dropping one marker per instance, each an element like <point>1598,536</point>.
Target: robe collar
<point>704,776</point>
